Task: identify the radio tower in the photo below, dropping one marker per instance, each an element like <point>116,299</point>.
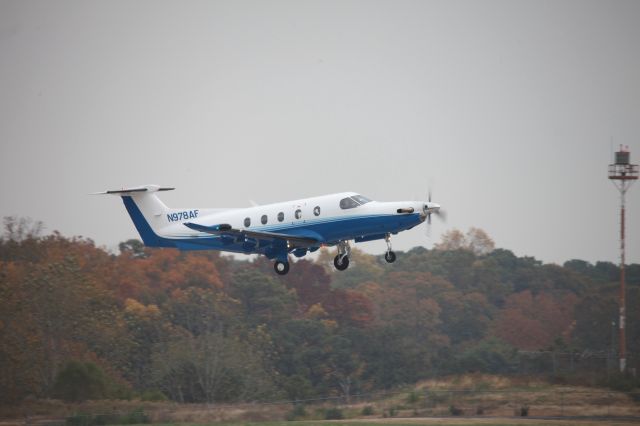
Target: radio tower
<point>623,174</point>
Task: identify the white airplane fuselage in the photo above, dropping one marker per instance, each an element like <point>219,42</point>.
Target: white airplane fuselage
<point>274,230</point>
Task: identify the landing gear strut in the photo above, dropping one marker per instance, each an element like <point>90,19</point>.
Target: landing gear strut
<point>341,261</point>
<point>281,268</point>
<point>389,256</point>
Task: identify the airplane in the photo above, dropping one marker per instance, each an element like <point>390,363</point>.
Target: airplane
<point>275,230</point>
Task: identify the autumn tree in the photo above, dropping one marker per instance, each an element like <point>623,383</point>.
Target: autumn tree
<point>475,240</point>
<point>20,341</point>
<point>533,322</point>
<point>405,336</point>
<point>145,328</point>
<point>348,308</point>
<point>60,308</point>
<point>205,328</point>
<point>311,283</point>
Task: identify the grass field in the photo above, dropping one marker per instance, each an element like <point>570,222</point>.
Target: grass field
<point>436,421</point>
<point>460,400</point>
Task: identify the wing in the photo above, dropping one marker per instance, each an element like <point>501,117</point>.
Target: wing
<point>291,241</point>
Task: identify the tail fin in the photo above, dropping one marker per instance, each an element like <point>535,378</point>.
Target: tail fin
<point>146,211</point>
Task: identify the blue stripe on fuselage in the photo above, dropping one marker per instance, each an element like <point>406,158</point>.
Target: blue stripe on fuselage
<point>331,230</point>
<point>337,228</point>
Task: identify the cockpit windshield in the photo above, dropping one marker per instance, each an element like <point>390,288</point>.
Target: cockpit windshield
<point>361,199</point>
<point>353,201</point>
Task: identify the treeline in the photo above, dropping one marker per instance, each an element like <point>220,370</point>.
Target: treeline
<point>79,322</point>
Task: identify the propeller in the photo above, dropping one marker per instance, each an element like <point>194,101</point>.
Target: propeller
<point>430,209</point>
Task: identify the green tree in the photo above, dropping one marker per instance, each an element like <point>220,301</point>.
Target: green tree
<point>79,381</point>
<point>487,356</point>
<point>201,310</point>
<point>134,248</point>
<point>211,368</point>
<point>261,299</point>
<point>465,316</point>
<point>345,363</point>
<point>363,267</point>
<point>301,347</point>
<point>596,319</point>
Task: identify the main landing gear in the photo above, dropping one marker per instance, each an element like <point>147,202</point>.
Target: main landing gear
<point>281,268</point>
<point>389,256</point>
<point>341,261</point>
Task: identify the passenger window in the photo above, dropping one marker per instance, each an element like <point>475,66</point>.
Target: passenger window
<point>264,219</point>
<point>348,203</point>
<point>247,222</point>
<point>280,217</point>
<point>298,214</point>
<point>316,210</point>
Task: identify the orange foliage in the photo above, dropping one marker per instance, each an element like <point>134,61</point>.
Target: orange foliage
<point>162,271</point>
<point>533,322</point>
<point>349,307</point>
<point>311,283</point>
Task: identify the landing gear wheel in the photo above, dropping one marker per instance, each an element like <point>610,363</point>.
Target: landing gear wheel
<point>341,265</point>
<point>390,256</point>
<point>281,268</point>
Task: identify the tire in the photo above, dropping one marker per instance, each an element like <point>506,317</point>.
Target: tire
<point>390,257</point>
<point>281,268</point>
<point>341,266</point>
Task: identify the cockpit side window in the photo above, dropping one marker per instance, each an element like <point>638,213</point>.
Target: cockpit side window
<point>348,203</point>
<point>354,201</point>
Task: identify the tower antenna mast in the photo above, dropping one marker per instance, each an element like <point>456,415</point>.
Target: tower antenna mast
<point>622,173</point>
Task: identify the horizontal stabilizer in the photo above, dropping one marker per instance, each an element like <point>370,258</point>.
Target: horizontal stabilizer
<point>144,188</point>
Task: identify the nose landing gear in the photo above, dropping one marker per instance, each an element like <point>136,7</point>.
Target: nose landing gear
<point>341,264</point>
<point>389,256</point>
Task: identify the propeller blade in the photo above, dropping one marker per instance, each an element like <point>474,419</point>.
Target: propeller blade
<point>442,215</point>
<point>427,226</point>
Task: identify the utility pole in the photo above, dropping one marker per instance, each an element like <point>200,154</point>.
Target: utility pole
<point>622,174</point>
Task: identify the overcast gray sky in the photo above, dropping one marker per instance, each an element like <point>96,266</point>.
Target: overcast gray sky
<point>508,109</point>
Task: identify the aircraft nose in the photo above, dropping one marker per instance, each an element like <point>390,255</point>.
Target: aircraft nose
<point>431,207</point>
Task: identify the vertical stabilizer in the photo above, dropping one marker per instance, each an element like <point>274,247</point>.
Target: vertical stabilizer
<point>146,211</point>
